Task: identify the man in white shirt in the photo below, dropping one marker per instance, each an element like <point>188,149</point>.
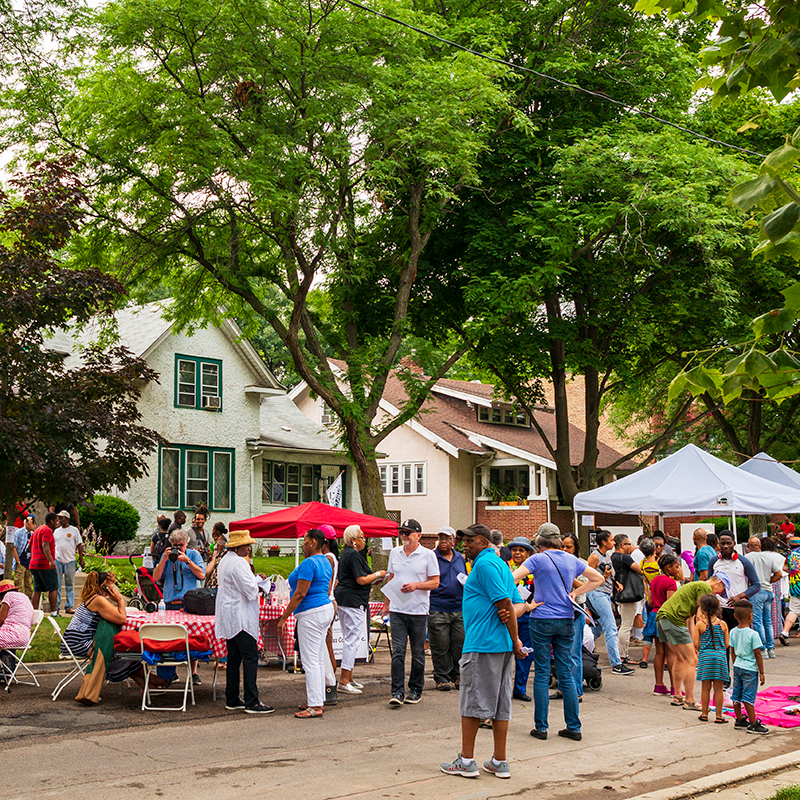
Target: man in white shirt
<point>769,567</point>
<point>236,621</point>
<point>415,572</point>
<point>68,542</point>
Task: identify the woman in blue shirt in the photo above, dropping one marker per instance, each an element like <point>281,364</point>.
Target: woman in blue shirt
<point>313,611</point>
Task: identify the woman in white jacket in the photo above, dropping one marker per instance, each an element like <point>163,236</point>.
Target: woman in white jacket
<point>237,623</point>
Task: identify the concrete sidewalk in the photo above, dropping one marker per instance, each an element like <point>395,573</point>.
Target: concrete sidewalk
<point>633,743</point>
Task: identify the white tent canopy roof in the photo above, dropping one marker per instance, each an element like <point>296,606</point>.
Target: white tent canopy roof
<point>690,482</point>
<point>767,467</point>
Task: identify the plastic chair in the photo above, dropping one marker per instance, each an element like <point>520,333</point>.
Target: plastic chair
<point>166,632</point>
<point>80,664</point>
<point>10,675</point>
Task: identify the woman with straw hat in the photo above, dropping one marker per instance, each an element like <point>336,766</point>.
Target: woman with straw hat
<point>237,623</point>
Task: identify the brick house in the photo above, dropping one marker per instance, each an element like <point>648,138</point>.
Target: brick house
<point>468,457</point>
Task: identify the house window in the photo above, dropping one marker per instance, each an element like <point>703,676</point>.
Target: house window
<point>508,481</point>
<point>325,413</point>
<point>198,383</point>
<point>287,484</point>
<point>190,475</point>
<point>503,416</point>
<point>403,478</point>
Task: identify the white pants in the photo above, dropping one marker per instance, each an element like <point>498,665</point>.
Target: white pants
<point>312,628</point>
<point>627,612</point>
<point>352,622</point>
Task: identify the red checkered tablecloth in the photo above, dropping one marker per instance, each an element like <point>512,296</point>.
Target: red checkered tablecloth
<point>194,622</point>
<point>269,617</point>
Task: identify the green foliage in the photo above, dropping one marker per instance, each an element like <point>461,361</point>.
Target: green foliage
<point>113,518</point>
<point>724,524</point>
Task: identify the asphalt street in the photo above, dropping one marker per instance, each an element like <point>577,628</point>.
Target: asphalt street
<point>633,743</point>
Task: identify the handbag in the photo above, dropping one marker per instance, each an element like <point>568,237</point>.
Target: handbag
<point>200,601</point>
<point>632,588</point>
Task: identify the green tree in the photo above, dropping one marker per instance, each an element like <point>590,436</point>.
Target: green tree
<point>113,519</point>
<point>64,433</point>
<point>242,155</point>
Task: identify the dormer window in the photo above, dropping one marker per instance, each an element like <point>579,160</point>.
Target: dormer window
<point>503,415</point>
<point>198,383</point>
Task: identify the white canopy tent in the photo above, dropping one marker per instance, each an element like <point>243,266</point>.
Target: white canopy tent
<point>766,466</point>
<point>690,482</point>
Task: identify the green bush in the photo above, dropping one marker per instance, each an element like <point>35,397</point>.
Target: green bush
<point>113,519</point>
<point>724,523</point>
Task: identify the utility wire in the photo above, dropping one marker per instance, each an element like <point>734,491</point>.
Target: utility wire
<point>575,87</point>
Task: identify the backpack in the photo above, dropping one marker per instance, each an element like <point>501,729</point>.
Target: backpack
<point>25,555</point>
<point>159,546</point>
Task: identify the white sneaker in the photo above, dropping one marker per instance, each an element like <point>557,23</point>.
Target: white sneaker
<point>348,688</point>
<point>357,684</point>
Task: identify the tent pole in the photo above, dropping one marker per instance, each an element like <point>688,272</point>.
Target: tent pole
<point>296,553</point>
<point>733,517</point>
<point>577,532</point>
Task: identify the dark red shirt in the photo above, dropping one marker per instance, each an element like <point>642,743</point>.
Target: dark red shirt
<point>38,559</point>
<point>659,587</point>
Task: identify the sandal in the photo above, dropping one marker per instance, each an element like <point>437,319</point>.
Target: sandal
<point>720,721</point>
<point>308,713</point>
<point>703,718</point>
<point>676,701</point>
<point>487,723</point>
<point>692,707</point>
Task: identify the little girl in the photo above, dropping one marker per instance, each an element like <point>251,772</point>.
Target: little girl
<point>711,642</point>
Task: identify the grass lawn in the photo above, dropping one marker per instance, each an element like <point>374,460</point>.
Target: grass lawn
<point>787,793</point>
<point>45,645</point>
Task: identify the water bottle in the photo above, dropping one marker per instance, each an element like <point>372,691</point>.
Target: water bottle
<point>162,610</point>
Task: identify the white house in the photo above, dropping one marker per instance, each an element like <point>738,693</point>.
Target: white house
<point>234,440</point>
<point>468,457</point>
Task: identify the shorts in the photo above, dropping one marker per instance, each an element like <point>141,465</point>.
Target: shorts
<point>745,686</point>
<point>671,633</point>
<point>650,631</point>
<point>794,605</point>
<point>44,580</point>
<point>487,680</point>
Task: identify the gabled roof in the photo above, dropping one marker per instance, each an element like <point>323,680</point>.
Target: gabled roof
<point>284,426</point>
<point>143,328</point>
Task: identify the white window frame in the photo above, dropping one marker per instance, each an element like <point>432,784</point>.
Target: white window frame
<point>404,478</point>
<point>498,415</point>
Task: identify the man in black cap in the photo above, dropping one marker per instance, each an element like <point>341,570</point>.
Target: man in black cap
<point>415,572</point>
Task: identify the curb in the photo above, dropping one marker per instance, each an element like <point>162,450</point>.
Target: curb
<point>49,667</point>
<point>726,779</point>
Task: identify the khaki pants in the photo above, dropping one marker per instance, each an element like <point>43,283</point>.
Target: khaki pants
<point>23,580</point>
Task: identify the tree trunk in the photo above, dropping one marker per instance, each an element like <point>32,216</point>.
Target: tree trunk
<point>758,524</point>
<point>369,479</point>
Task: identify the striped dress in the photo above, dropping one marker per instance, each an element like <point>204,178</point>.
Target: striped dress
<point>79,635</point>
<point>712,659</point>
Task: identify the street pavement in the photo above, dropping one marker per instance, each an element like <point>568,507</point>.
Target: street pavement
<point>633,742</point>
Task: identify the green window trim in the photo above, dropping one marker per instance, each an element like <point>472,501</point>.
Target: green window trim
<point>286,483</point>
<point>197,379</point>
<point>189,473</point>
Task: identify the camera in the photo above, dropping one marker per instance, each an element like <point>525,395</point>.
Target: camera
<point>174,552</point>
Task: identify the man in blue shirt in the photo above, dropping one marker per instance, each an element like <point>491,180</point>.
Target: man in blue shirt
<point>491,605</point>
<point>703,553</point>
<point>445,620</point>
<point>23,580</point>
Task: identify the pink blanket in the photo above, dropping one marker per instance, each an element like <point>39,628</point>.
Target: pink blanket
<point>772,704</point>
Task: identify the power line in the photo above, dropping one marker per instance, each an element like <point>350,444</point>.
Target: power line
<point>573,86</point>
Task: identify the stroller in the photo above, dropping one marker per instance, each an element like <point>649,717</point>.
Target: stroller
<point>592,674</point>
<point>148,594</point>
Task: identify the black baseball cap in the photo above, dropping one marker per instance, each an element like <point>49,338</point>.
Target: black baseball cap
<point>475,530</point>
<point>411,525</point>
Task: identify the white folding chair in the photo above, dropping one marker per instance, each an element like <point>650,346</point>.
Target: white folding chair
<point>166,632</point>
<point>80,664</point>
<point>10,675</point>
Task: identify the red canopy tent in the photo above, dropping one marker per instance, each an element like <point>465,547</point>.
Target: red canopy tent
<point>293,522</point>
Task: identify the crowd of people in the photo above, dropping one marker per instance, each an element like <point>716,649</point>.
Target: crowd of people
<point>488,612</point>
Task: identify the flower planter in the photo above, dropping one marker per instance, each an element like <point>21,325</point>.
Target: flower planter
<point>509,503</point>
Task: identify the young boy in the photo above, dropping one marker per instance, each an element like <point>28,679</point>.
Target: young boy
<point>748,669</point>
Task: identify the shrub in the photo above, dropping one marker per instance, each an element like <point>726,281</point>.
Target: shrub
<point>724,523</point>
<point>114,519</point>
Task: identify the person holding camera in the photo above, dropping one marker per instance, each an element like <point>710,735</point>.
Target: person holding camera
<point>181,568</point>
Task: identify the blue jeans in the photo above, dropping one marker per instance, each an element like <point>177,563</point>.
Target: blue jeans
<point>762,617</point>
<point>745,686</point>
<point>558,635</point>
<point>67,572</point>
<point>577,655</point>
<point>522,666</point>
<point>411,628</point>
<point>601,603</point>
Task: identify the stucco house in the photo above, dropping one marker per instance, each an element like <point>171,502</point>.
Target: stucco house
<point>452,464</point>
<point>234,441</point>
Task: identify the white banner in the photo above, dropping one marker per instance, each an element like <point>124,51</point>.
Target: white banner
<point>334,492</point>
<point>362,654</point>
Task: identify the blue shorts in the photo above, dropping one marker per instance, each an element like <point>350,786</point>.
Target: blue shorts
<point>745,686</point>
<point>650,631</point>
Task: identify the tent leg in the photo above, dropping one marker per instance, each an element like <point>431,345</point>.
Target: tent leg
<point>296,553</point>
<point>577,532</point>
<point>733,527</point>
